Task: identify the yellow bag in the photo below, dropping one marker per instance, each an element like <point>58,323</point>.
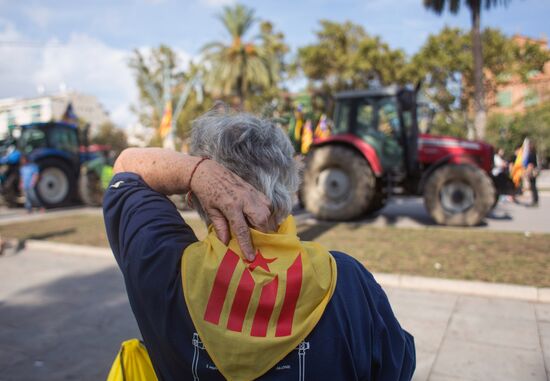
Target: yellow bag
<point>132,363</point>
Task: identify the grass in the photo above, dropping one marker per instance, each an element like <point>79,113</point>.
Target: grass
<point>435,252</point>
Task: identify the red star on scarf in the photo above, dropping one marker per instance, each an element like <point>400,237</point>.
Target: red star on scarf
<point>259,261</point>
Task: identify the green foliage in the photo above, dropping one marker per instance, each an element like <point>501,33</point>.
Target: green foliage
<point>109,134</point>
<point>508,132</point>
<point>244,69</point>
<point>445,64</point>
<point>450,124</point>
<point>439,6</point>
<point>149,72</point>
<point>345,56</point>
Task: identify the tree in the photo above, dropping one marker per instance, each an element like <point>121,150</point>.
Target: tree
<point>109,134</point>
<point>508,132</point>
<point>475,6</point>
<point>150,69</point>
<point>240,68</point>
<point>446,66</point>
<point>346,57</point>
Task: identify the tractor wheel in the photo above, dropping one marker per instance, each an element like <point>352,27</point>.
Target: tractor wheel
<point>458,195</point>
<point>379,200</point>
<point>56,185</point>
<point>10,190</point>
<point>338,183</point>
<point>89,188</point>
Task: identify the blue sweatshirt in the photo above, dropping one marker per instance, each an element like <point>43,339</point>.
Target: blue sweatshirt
<point>357,338</point>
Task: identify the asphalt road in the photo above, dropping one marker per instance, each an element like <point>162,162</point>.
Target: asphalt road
<point>62,317</point>
<point>406,212</point>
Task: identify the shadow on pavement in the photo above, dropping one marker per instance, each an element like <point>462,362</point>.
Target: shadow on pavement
<point>69,329</point>
<point>52,234</point>
<point>315,231</point>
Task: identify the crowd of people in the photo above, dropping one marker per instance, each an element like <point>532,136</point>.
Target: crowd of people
<point>522,171</point>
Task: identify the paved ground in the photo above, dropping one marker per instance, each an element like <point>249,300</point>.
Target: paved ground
<point>63,317</point>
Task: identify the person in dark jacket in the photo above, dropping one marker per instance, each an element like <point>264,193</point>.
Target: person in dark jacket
<point>250,300</point>
<point>532,172</point>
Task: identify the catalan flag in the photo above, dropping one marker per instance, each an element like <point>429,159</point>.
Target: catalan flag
<point>522,158</point>
<point>250,315</point>
<point>166,121</point>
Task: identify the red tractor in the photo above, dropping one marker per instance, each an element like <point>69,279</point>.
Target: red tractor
<point>375,150</point>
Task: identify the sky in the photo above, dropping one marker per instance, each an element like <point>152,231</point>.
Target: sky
<point>85,45</point>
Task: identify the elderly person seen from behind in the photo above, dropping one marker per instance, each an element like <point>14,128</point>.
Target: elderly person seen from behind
<point>249,301</point>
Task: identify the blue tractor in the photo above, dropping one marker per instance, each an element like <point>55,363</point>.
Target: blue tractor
<point>59,151</point>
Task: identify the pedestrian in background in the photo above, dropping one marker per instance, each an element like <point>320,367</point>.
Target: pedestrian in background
<point>500,173</point>
<point>29,174</point>
<point>531,173</point>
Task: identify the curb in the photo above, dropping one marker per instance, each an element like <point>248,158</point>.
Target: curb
<point>465,287</point>
<point>412,282</point>
<point>21,218</point>
<point>67,248</point>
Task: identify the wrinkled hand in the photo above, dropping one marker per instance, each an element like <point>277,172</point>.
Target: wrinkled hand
<point>231,204</point>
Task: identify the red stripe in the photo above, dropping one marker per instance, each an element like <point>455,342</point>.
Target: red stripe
<point>219,289</point>
<point>265,308</point>
<point>241,301</point>
<point>293,286</point>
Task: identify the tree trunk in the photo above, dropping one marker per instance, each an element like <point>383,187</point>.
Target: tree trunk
<point>479,101</point>
<point>240,93</point>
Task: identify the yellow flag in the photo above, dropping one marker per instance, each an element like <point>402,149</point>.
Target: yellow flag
<point>132,363</point>
<point>250,315</point>
<point>307,137</point>
<point>166,121</point>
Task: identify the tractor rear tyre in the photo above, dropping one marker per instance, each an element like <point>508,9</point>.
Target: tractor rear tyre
<point>379,200</point>
<point>458,195</point>
<point>56,186</point>
<point>338,183</point>
<point>90,188</point>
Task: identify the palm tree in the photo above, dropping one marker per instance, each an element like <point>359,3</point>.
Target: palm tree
<point>239,66</point>
<point>475,6</point>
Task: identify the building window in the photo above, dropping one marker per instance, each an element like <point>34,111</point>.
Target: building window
<point>11,119</point>
<point>530,98</point>
<point>35,113</point>
<point>504,98</point>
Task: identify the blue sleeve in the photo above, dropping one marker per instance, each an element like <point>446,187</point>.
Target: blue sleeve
<point>147,235</point>
<point>387,347</point>
<point>396,356</point>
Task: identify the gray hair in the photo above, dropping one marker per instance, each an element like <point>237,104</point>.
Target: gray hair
<point>255,149</point>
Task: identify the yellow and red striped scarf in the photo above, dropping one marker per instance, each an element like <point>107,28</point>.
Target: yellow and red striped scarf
<point>250,315</point>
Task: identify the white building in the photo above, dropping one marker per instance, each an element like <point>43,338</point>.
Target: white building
<point>18,111</point>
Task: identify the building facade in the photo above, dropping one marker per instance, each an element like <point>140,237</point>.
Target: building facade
<point>18,111</point>
<point>513,94</point>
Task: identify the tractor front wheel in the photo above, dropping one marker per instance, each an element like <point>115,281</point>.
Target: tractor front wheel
<point>458,195</point>
<point>338,183</point>
<point>56,185</point>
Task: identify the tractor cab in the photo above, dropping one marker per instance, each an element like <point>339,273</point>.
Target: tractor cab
<point>385,119</point>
